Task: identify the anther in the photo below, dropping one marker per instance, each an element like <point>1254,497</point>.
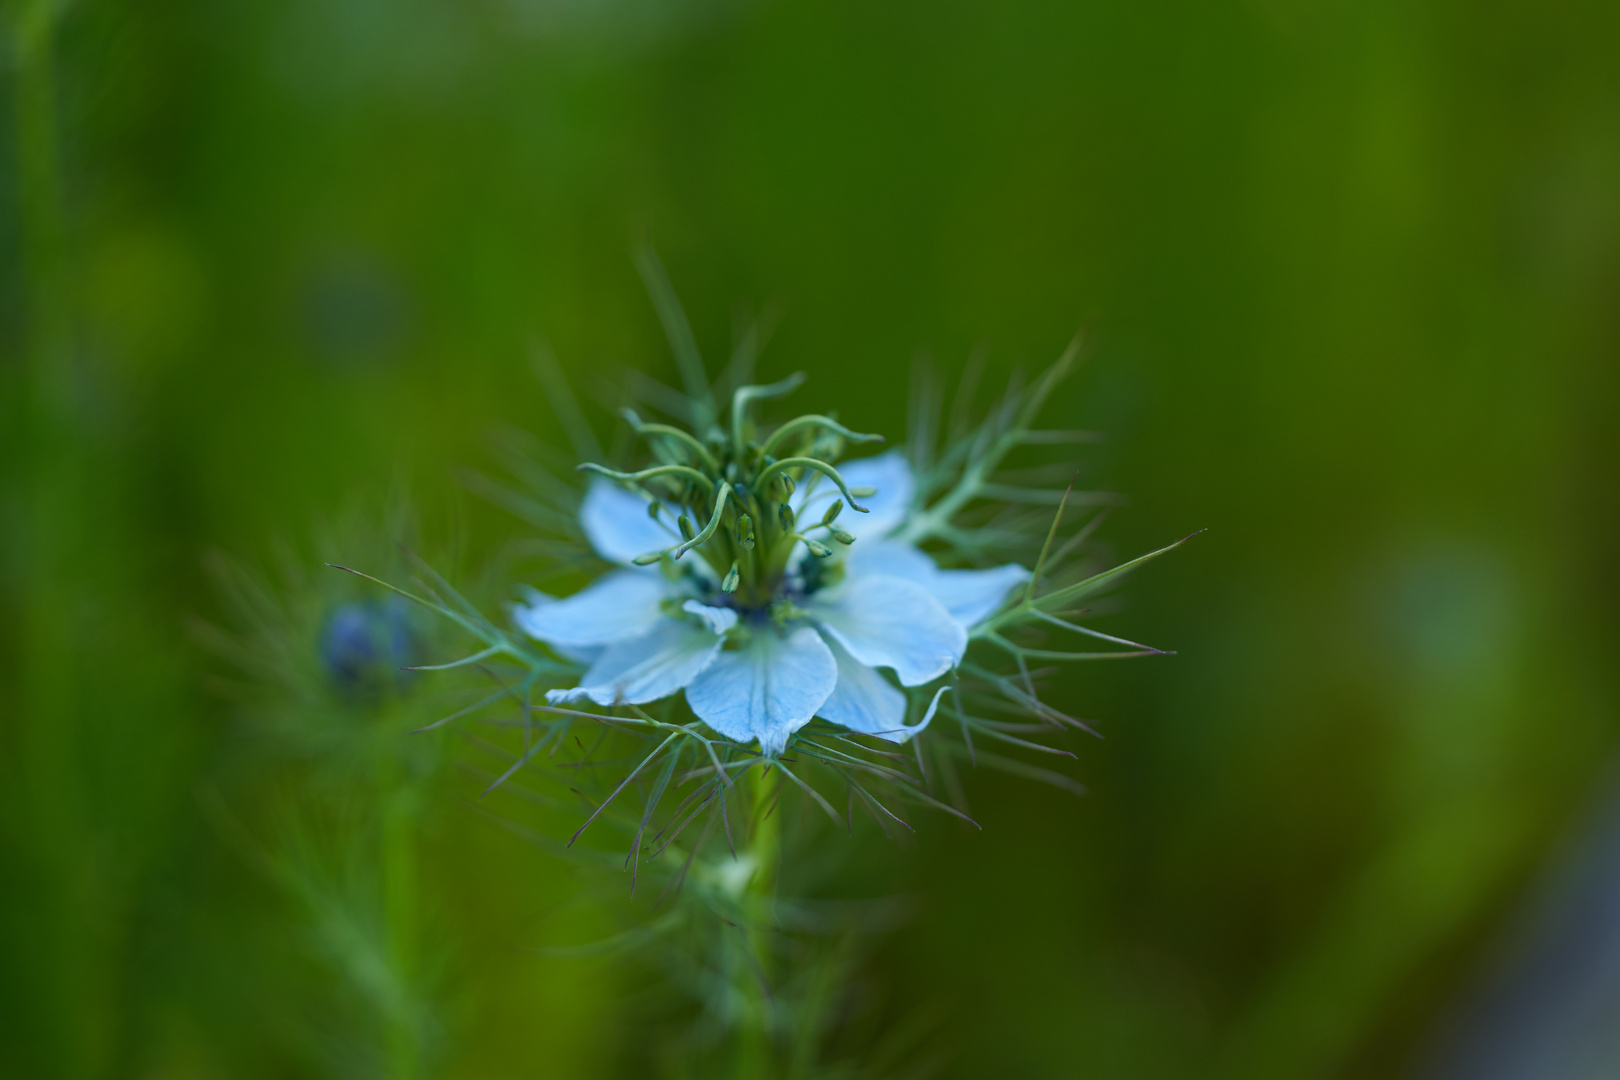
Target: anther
<point>817,548</point>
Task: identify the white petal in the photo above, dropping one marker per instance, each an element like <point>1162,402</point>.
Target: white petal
<point>646,668</point>
<point>893,558</point>
<point>889,473</point>
<point>970,596</point>
<point>767,689</point>
<point>894,623</point>
<point>534,598</point>
<point>616,606</point>
<point>717,619</point>
<point>863,700</point>
<point>917,728</point>
<point>616,523</point>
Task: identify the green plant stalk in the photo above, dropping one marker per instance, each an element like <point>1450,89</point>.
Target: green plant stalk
<point>755,1057</point>
<point>70,1001</point>
<point>402,1034</point>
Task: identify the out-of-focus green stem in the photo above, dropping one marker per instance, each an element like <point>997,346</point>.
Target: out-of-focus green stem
<point>70,989</point>
<point>755,1052</point>
<point>399,800</point>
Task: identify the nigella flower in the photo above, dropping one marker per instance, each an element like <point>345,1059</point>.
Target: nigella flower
<point>775,622</point>
<point>365,645</point>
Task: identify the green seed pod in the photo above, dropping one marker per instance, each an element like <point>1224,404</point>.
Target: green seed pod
<point>832,512</point>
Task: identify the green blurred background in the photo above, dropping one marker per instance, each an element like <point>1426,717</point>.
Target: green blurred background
<point>1349,275</point>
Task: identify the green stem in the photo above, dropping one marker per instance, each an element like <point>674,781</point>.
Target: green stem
<point>71,944</point>
<point>399,878</point>
<point>755,1056</point>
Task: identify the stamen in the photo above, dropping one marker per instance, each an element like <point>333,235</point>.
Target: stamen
<point>817,548</point>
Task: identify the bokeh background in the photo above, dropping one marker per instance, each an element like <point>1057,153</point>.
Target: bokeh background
<point>1349,276</point>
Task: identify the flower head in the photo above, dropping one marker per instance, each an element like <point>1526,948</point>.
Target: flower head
<point>365,645</point>
<point>795,598</point>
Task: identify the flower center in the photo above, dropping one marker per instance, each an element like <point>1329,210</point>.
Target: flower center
<point>746,505</point>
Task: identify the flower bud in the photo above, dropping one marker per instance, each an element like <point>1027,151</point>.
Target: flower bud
<point>732,577</point>
<point>817,548</point>
<point>686,528</point>
<point>840,535</point>
<point>785,514</point>
<point>832,512</point>
<point>745,533</point>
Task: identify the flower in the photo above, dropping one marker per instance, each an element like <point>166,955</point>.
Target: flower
<point>366,645</point>
<point>795,628</point>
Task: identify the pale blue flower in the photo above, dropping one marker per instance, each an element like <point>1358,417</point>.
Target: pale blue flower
<point>761,673</point>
